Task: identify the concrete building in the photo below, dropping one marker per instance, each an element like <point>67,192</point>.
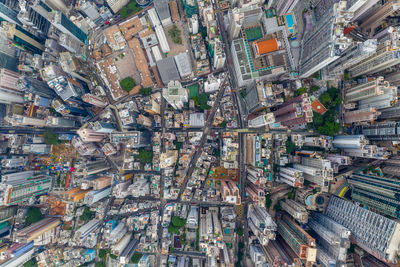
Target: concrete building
<point>386,56</point>
<point>230,192</point>
<point>22,38</point>
<point>243,17</point>
<point>351,56</point>
<point>386,131</point>
<point>322,46</point>
<point>291,176</point>
<point>89,135</point>
<point>86,230</point>
<point>257,255</point>
<point>349,141</point>
<point>332,238</point>
<point>41,232</point>
<point>298,240</point>
<point>377,193</point>
<point>371,88</point>
<point>9,91</point>
<point>19,120</point>
<point>133,139</point>
<point>374,233</point>
<point>175,94</point>
<point>20,186</point>
<point>97,195</point>
<point>296,210</point>
<point>361,115</point>
<point>94,100</point>
<point>163,12</point>
<point>65,25</point>
<point>296,111</point>
<point>193,217</point>
<point>103,127</point>
<point>261,224</point>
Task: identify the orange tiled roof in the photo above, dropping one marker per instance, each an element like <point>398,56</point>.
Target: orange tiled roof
<point>266,46</point>
<point>318,107</point>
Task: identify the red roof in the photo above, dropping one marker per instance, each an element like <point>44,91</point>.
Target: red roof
<point>266,46</point>
<point>318,107</point>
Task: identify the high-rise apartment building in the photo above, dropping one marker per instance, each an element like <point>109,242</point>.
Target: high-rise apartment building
<point>351,56</point>
<point>89,135</point>
<point>261,224</point>
<point>374,21</point>
<point>316,170</point>
<point>94,100</point>
<point>41,232</point>
<point>379,194</point>
<point>296,111</point>
<point>22,38</point>
<point>65,25</point>
<point>322,46</point>
<point>35,86</point>
<point>297,239</point>
<point>295,209</point>
<point>133,139</point>
<point>374,233</point>
<point>19,120</point>
<point>291,176</point>
<point>387,55</point>
<point>16,187</point>
<point>332,239</point>
<point>361,115</point>
<point>175,94</point>
<point>374,87</point>
<point>386,131</point>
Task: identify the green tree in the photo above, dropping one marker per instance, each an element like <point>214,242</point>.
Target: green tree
<point>50,137</point>
<point>314,88</point>
<point>268,201</point>
<point>127,83</point>
<point>145,91</point>
<point>172,229</point>
<point>178,222</point>
<point>318,119</point>
<point>291,195</point>
<point>34,215</point>
<point>325,99</point>
<point>132,5</point>
<point>175,35</point>
<point>145,156</point>
<point>87,215</point>
<point>136,258</point>
<point>203,99</point>
<point>31,263</point>
<point>239,231</point>
<point>123,12</point>
<point>300,91</point>
<point>223,124</point>
<point>289,146</point>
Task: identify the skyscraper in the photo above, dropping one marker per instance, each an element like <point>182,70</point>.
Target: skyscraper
<point>298,239</point>
<point>361,115</point>
<point>34,14</point>
<point>351,56</point>
<point>35,86</point>
<point>374,233</point>
<point>291,176</point>
<point>41,232</point>
<point>387,55</point>
<point>295,111</point>
<point>332,238</point>
<point>261,224</point>
<point>175,94</point>
<point>65,25</point>
<point>89,135</point>
<point>16,187</point>
<point>22,38</point>
<point>322,46</point>
<point>379,194</point>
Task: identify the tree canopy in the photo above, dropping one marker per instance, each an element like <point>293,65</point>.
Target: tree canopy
<point>127,83</point>
<point>145,91</point>
<point>131,8</point>
<point>34,215</point>
<point>289,146</point>
<point>175,35</point>
<point>50,137</point>
<point>145,156</point>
